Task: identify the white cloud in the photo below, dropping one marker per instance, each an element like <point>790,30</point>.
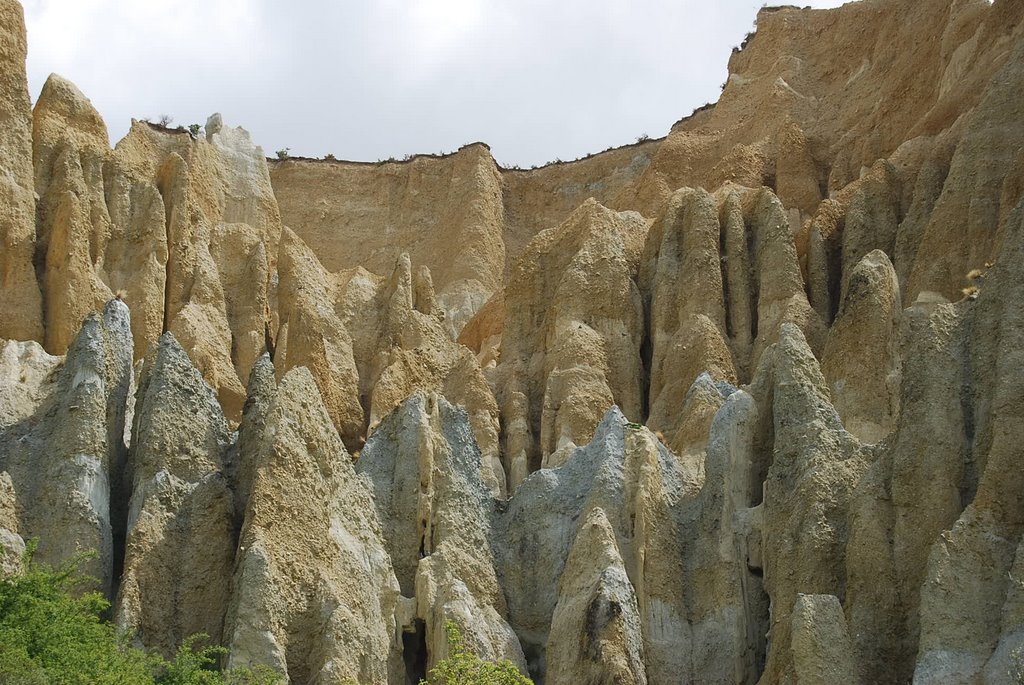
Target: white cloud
<point>372,79</point>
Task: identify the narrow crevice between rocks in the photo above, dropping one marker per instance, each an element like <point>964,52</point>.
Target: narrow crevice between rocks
<point>723,266</point>
<point>754,269</point>
<point>969,482</point>
<point>414,652</point>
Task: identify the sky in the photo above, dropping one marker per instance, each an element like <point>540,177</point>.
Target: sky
<point>371,79</point>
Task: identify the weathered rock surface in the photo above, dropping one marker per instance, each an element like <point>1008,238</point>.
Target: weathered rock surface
<point>20,300</point>
<point>595,629</point>
<point>551,331</point>
<point>806,300</point>
<point>981,545</point>
<point>312,336</point>
<point>61,439</point>
<point>821,642</point>
<point>369,214</point>
<point>185,229</point>
<point>861,359</point>
<point>687,306</point>
<point>12,546</point>
<point>371,342</point>
<point>425,471</point>
<point>814,469</point>
<point>179,501</point>
<point>314,593</point>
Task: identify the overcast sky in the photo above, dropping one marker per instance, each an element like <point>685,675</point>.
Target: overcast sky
<point>371,79</point>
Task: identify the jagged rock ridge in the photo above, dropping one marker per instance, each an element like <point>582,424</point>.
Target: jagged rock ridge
<point>737,405</point>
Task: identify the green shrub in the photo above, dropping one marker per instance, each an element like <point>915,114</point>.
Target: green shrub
<point>463,667</point>
<point>49,635</point>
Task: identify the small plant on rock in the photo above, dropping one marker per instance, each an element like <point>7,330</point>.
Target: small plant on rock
<point>283,153</point>
<point>463,667</point>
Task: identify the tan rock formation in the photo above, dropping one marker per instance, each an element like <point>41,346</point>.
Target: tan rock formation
<point>821,642</point>
<point>482,333</point>
<point>314,337</point>
<point>969,217</point>
<point>549,328</point>
<point>12,546</point>
<point>372,342</point>
<point>179,502</point>
<point>981,546</point>
<point>861,361</point>
<point>20,300</point>
<point>815,466</point>
<point>828,488</point>
<point>684,278</point>
<point>242,462</point>
<point>314,593</point>
<point>435,509</point>
<point>409,351</point>
<point>185,229</point>
<point>342,207</point>
<point>595,629</point>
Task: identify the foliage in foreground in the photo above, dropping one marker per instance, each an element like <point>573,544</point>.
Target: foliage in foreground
<point>463,667</point>
<point>49,635</point>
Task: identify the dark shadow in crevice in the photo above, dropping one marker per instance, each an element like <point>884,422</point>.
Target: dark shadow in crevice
<point>414,652</point>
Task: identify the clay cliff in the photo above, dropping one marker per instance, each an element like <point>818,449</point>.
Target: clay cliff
<point>737,405</point>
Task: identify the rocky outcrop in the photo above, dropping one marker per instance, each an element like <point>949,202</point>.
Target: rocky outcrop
<point>312,336</point>
<point>738,405</point>
<point>815,466</point>
<point>69,146</point>
<point>20,300</point>
<point>969,216</point>
<point>12,546</point>
<point>179,500</point>
<point>981,545</point>
<point>551,331</point>
<point>684,279</point>
<point>61,439</point>
<point>436,512</point>
<point>425,206</point>
<point>596,603</point>
<point>861,360</point>
<point>372,342</point>
<point>185,230</point>
<point>821,642</point>
<point>242,459</point>
<point>314,593</point>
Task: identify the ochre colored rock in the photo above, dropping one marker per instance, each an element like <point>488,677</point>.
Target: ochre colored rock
<point>311,559</point>
<point>179,501</point>
<point>741,404</point>
<point>435,509</point>
<point>20,301</point>
<point>550,327</point>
